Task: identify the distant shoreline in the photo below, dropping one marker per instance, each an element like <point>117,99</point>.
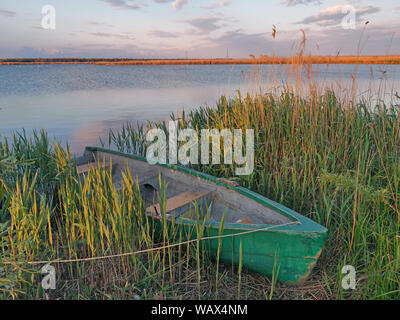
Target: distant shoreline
<point>392,59</point>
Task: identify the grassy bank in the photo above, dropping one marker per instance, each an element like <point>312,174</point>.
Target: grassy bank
<point>333,160</point>
<point>264,59</point>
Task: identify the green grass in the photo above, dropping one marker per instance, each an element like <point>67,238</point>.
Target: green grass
<point>50,213</point>
<point>333,160</point>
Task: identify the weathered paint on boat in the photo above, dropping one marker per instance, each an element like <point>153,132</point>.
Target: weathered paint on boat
<point>292,250</point>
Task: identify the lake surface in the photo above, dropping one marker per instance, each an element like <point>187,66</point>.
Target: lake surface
<point>80,103</point>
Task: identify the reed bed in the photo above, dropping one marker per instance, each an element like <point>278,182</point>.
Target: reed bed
<point>50,213</point>
<point>329,157</point>
<point>262,59</point>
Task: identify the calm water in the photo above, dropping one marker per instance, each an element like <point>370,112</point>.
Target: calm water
<point>80,103</point>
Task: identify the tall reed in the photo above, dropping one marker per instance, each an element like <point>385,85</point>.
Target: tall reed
<point>332,159</point>
<point>58,214</point>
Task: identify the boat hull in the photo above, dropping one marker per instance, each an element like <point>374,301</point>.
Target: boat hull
<point>286,256</point>
<point>287,252</point>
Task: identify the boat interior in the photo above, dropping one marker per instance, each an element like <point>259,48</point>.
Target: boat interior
<point>187,196</point>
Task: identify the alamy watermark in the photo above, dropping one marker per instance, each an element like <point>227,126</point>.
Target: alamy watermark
<point>49,17</point>
<point>349,280</point>
<point>49,280</point>
<point>349,20</point>
<point>183,147</point>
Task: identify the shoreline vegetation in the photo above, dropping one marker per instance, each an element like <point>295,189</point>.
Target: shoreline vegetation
<point>331,158</point>
<point>333,161</point>
<point>384,59</point>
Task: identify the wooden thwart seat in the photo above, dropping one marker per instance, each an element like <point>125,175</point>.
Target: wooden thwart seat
<point>176,202</point>
<point>244,220</point>
<point>92,165</point>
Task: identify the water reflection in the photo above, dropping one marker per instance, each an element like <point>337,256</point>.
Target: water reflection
<point>81,103</point>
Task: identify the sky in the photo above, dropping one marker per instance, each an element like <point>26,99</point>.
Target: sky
<point>198,28</point>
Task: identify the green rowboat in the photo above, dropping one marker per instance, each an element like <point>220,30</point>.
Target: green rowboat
<point>269,238</point>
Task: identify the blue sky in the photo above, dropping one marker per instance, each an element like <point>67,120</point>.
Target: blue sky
<point>195,28</point>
